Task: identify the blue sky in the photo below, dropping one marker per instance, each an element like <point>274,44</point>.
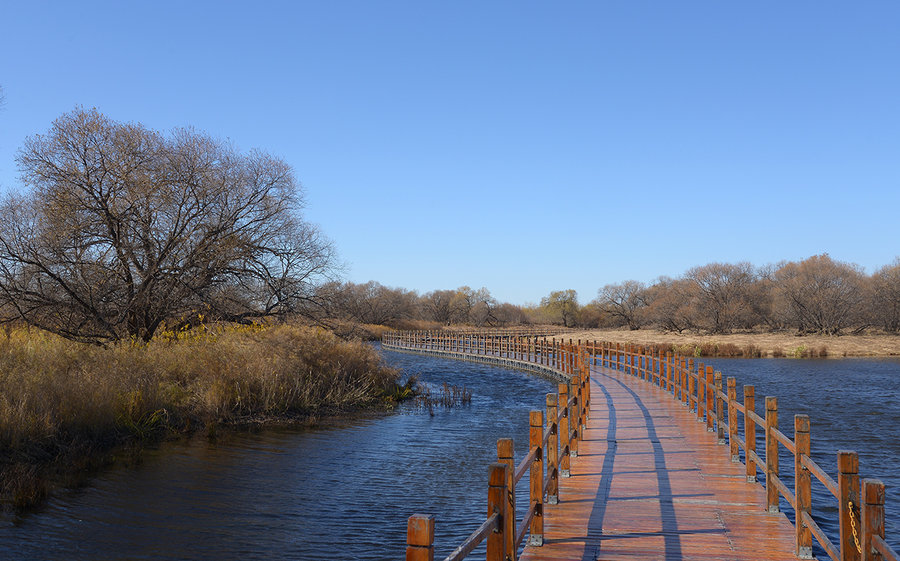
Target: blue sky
<point>522,146</point>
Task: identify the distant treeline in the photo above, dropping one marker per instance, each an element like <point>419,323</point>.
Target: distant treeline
<point>816,295</point>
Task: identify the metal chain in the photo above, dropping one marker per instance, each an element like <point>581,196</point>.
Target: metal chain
<point>853,527</point>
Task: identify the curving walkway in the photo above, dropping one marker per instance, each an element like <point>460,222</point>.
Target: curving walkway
<point>650,482</point>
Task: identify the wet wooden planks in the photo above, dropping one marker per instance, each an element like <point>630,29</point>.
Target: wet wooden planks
<point>651,483</point>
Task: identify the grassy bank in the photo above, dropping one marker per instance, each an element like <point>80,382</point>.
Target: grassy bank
<point>752,345</point>
<point>65,407</point>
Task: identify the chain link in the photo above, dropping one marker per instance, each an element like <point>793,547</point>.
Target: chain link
<point>853,527</point>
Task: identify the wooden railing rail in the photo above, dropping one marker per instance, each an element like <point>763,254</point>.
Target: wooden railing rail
<point>700,389</point>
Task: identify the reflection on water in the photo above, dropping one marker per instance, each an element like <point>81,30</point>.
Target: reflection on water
<point>345,492</point>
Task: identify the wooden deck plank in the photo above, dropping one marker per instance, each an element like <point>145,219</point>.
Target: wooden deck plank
<point>650,482</point>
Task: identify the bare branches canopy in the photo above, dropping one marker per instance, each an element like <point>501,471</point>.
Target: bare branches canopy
<point>122,229</point>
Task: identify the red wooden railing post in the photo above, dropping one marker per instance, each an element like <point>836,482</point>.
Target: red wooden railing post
<point>497,502</point>
<point>553,450</point>
<point>750,431</point>
<point>564,430</point>
<point>802,486</point>
<point>536,477</point>
<point>678,392</point>
<point>771,454</point>
<point>420,537</point>
<point>505,456</point>
<point>571,358</point>
<point>701,398</point>
<point>658,371</point>
<point>690,377</point>
<point>720,410</point>
<point>587,388</point>
<point>669,361</point>
<point>848,501</point>
<point>871,516</point>
<point>639,362</point>
<point>732,421</point>
<point>709,389</point>
<point>649,362</point>
<point>574,415</point>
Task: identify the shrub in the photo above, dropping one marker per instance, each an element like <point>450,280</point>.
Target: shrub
<point>752,351</point>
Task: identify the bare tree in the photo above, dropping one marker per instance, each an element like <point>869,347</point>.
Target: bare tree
<point>481,306</point>
<point>371,303</point>
<point>670,304</point>
<point>819,295</point>
<point>510,314</point>
<point>886,296</point>
<point>623,301</point>
<point>122,229</point>
<point>724,295</point>
<point>439,305</point>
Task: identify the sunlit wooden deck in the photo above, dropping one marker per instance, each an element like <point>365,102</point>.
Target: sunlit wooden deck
<point>638,452</point>
<point>650,482</point>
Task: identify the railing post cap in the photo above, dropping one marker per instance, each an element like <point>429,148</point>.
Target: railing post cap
<point>873,491</point>
<point>504,447</point>
<point>536,418</point>
<point>771,402</point>
<point>420,530</point>
<point>848,461</point>
<point>801,423</point>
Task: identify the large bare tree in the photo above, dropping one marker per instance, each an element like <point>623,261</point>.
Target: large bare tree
<point>724,295</point>
<point>820,295</point>
<point>671,304</point>
<point>624,301</point>
<point>886,297</point>
<point>121,229</point>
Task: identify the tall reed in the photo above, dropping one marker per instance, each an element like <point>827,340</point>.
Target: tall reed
<point>64,403</point>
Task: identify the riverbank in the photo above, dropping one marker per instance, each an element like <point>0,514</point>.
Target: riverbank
<point>752,345</point>
<point>67,409</point>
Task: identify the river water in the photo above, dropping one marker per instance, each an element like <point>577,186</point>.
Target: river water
<point>344,492</point>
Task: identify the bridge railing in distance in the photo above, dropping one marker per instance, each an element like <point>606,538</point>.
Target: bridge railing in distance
<point>550,446</point>
<point>699,388</point>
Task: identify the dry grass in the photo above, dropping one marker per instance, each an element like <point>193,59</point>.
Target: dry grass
<point>753,344</point>
<point>64,403</point>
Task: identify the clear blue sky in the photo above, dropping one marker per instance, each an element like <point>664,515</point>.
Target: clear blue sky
<point>521,146</point>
